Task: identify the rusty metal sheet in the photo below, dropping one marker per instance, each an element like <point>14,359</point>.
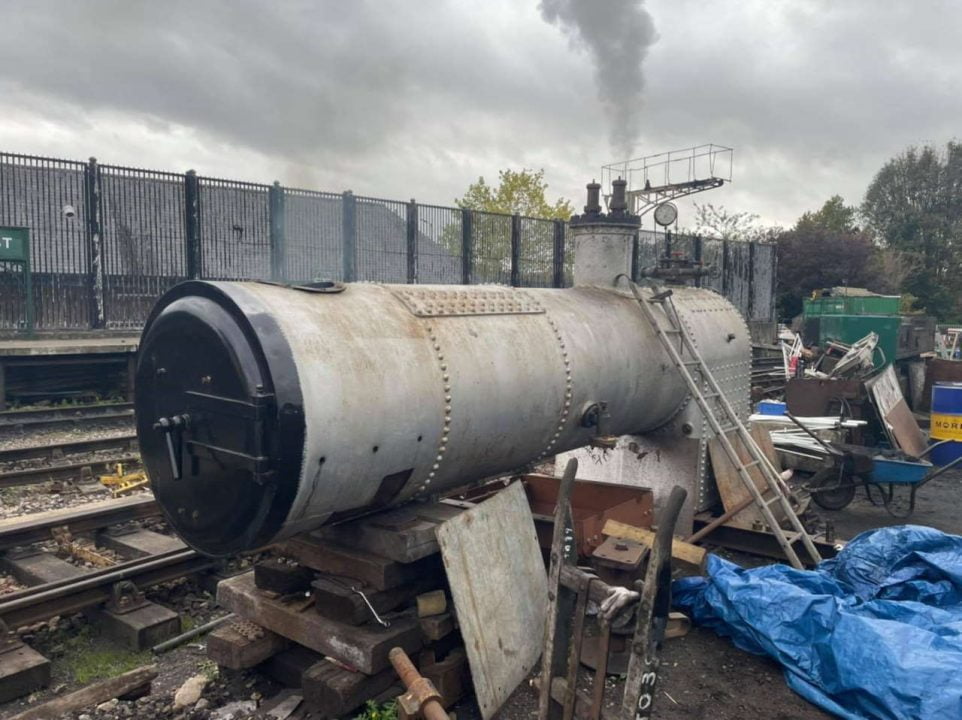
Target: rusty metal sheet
<point>500,590</point>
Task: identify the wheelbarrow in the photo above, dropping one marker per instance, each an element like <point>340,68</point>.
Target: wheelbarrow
<point>849,467</point>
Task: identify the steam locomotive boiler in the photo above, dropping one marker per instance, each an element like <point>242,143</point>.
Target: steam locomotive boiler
<point>266,410</point>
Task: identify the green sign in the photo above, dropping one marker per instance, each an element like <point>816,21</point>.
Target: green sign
<point>14,245</point>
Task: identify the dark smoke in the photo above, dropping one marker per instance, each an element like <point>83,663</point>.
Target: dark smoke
<point>618,34</point>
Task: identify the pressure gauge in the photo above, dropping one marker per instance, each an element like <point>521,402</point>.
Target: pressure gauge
<point>666,214</point>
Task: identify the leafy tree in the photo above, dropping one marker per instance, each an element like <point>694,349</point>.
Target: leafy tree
<point>824,249</point>
<point>914,206</point>
<point>519,192</point>
<point>715,221</point>
<point>834,216</point>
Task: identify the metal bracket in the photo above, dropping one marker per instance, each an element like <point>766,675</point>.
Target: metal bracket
<point>125,597</point>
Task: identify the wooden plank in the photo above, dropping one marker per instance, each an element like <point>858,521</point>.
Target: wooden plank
<point>436,627</point>
<point>242,645</point>
<point>405,534</point>
<point>379,572</point>
<point>500,592</point>
<point>361,647</point>
<point>334,691</point>
<point>899,423</point>
<point>91,695</point>
<point>334,598</point>
<point>730,486</point>
<point>680,550</point>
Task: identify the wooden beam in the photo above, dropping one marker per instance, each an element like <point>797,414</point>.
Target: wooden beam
<point>680,550</point>
<point>363,647</point>
<point>91,695</point>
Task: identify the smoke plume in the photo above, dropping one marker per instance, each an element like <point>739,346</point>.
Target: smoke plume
<point>617,34</point>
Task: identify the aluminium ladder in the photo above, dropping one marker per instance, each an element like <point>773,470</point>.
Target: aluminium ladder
<point>723,407</point>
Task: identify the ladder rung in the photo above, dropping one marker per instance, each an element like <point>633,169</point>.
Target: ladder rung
<point>691,362</point>
<point>753,463</point>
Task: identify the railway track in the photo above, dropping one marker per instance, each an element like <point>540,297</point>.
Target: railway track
<point>57,587</point>
<point>45,418</point>
<point>51,451</point>
<point>65,471</point>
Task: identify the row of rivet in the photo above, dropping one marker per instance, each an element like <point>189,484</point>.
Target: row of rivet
<point>446,429</point>
<point>566,407</point>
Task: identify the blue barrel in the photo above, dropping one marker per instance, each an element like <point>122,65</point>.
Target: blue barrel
<point>946,421</point>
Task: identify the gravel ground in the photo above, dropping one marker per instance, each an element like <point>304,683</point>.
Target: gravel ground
<point>12,438</point>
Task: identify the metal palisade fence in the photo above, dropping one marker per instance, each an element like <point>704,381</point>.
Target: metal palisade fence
<point>107,240</point>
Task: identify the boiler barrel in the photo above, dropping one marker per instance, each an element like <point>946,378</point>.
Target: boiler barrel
<point>264,410</point>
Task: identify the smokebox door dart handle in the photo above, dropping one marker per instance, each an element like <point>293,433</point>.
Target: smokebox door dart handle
<point>169,426</point>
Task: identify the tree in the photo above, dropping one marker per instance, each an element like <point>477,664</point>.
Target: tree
<point>519,192</point>
<point>716,221</point>
<point>914,206</point>
<point>834,216</point>
<point>824,249</point>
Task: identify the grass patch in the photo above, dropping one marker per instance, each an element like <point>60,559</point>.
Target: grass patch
<point>88,657</point>
<point>373,711</point>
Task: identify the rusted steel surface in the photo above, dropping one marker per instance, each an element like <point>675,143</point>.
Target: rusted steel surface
<point>421,694</point>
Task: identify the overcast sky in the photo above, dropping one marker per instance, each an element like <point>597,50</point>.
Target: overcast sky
<point>418,98</point>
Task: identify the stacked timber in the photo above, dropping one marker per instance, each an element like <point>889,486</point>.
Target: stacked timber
<point>323,613</point>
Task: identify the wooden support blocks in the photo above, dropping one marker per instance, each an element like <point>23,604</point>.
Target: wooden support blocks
<point>404,534</point>
<point>362,647</point>
<point>282,576</point>
<point>379,572</point>
<point>240,644</point>
<point>334,691</point>
<point>334,598</point>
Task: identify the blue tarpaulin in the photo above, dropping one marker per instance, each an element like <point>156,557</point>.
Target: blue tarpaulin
<point>873,633</point>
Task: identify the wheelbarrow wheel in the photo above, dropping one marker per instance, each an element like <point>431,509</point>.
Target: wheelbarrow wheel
<point>832,492</point>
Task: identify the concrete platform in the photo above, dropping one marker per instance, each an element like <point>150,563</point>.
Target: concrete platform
<point>50,352</point>
<point>21,347</point>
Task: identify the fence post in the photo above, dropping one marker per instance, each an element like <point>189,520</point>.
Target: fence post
<point>192,224</point>
<point>467,246</point>
<point>349,235</point>
<point>412,237</point>
<point>95,246</point>
<point>696,251</point>
<point>751,281</point>
<point>515,251</point>
<point>275,207</point>
<point>726,262</point>
<point>558,257</point>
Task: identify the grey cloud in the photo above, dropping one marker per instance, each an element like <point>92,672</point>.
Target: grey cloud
<point>403,98</point>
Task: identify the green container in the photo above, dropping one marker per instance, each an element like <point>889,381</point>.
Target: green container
<point>849,329</point>
<point>853,305</point>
